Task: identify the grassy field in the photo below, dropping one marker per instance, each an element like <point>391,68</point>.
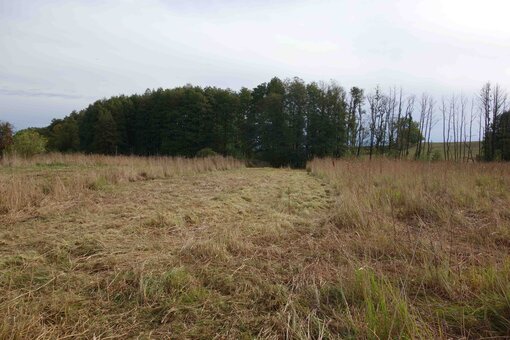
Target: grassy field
<point>126,247</point>
<point>438,148</point>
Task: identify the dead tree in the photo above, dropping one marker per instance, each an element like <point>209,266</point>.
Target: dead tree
<point>422,124</point>
<point>485,106</point>
<point>430,124</point>
<point>471,120</point>
<point>463,137</point>
<point>399,126</point>
<point>443,111</point>
<point>409,116</point>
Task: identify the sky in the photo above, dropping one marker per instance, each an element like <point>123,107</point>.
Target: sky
<point>57,56</point>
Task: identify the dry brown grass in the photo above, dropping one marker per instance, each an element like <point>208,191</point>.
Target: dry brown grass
<point>29,184</point>
<point>185,256</point>
<point>349,250</point>
<point>435,235</point>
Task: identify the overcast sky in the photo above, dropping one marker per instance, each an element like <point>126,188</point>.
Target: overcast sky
<point>58,56</point>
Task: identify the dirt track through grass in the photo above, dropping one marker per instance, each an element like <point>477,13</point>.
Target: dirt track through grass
<point>197,255</point>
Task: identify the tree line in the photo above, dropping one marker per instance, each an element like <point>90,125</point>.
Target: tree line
<point>285,122</point>
<point>281,122</point>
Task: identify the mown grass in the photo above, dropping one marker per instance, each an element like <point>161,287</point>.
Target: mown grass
<point>26,184</point>
<point>349,249</point>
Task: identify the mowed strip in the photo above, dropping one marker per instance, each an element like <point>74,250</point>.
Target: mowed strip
<point>195,255</point>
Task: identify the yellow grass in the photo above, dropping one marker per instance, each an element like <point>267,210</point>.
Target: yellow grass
<point>170,248</point>
<point>27,184</point>
<point>436,235</point>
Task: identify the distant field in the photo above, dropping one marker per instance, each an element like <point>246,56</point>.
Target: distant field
<point>436,148</point>
<point>128,247</point>
<point>439,148</point>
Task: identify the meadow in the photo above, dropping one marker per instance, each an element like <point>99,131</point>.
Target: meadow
<point>130,247</point>
<point>437,150</point>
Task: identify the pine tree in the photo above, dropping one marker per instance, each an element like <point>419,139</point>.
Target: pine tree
<point>105,133</point>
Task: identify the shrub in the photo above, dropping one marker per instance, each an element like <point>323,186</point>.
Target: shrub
<point>436,156</point>
<point>206,152</point>
<point>28,143</point>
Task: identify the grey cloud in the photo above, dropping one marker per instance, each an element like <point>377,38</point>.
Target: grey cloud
<point>38,93</point>
<point>60,55</point>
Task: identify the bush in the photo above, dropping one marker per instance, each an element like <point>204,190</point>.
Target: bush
<point>436,156</point>
<point>28,143</point>
<point>206,152</point>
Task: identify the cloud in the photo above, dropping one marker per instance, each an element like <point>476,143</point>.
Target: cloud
<point>311,46</point>
<point>38,93</point>
<point>64,54</point>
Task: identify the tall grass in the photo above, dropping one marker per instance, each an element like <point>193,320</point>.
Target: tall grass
<point>437,235</point>
<point>28,183</point>
<point>352,249</point>
<point>158,165</point>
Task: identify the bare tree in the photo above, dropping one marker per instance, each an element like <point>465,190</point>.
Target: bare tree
<point>430,124</point>
<point>445,139</point>
<point>399,125</point>
<point>409,116</point>
<point>391,128</point>
<point>353,124</point>
<point>374,102</point>
<point>422,124</point>
<point>361,129</point>
<point>485,106</point>
<point>471,120</point>
<point>463,136</point>
<point>386,109</point>
<point>453,114</point>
